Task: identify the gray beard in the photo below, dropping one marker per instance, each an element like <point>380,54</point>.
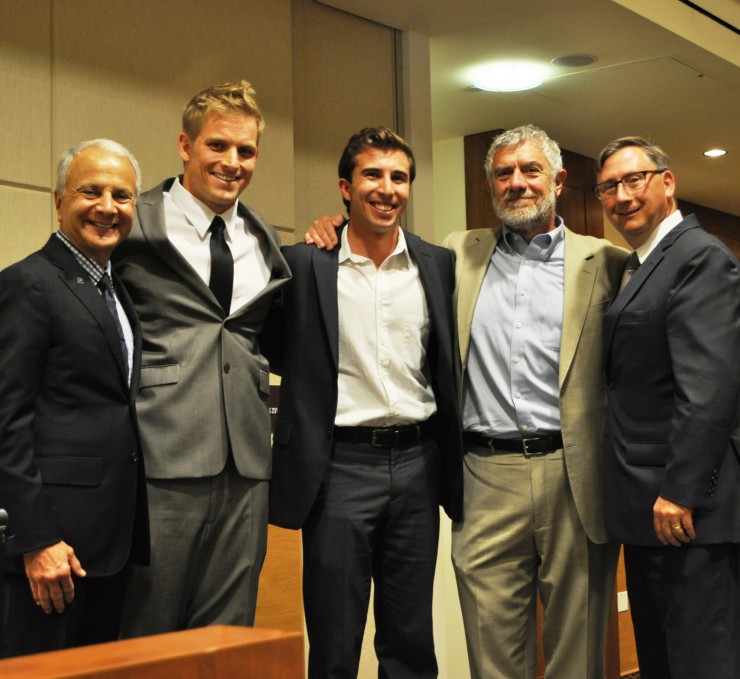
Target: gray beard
<point>525,219</point>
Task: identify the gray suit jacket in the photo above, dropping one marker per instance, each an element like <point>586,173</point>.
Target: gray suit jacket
<point>592,271</point>
<point>204,381</point>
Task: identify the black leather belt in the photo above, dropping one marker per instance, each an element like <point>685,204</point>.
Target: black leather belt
<point>383,437</point>
<point>530,447</point>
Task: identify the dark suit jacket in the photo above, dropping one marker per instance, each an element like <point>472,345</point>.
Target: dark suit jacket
<point>70,467</point>
<point>204,383</point>
<point>672,342</point>
<point>302,341</point>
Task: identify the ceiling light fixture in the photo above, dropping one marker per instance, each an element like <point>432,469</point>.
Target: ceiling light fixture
<point>509,76</point>
<point>574,60</point>
<point>715,153</point>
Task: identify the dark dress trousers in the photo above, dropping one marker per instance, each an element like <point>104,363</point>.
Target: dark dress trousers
<point>70,466</point>
<point>672,341</point>
<point>313,473</point>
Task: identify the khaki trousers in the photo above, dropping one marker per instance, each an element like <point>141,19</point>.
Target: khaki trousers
<point>521,533</point>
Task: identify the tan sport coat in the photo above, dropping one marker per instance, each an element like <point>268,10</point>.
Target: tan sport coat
<point>593,268</point>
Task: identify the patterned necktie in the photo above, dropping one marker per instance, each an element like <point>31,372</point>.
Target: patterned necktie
<point>222,265</point>
<point>630,267</point>
<point>106,287</point>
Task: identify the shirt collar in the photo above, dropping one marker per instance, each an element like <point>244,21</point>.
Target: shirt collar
<point>667,225</point>
<point>197,212</point>
<point>93,269</point>
<point>544,243</point>
<point>345,251</point>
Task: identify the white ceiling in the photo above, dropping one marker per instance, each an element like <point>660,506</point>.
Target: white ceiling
<point>677,83</point>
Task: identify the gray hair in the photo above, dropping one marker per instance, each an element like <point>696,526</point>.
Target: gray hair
<point>108,145</point>
<point>516,136</point>
<point>656,154</point>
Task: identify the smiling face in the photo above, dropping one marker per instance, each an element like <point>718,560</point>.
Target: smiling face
<point>96,210</point>
<point>636,215</point>
<point>220,161</point>
<point>524,188</point>
<point>379,190</point>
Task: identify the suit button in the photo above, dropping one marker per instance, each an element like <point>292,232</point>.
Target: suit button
<point>227,368</point>
<point>135,456</point>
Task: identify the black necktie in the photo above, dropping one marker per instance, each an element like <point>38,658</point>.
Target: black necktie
<point>106,287</point>
<point>222,265</point>
<point>630,267</point>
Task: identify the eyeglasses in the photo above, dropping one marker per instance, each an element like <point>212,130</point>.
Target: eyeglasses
<point>632,182</point>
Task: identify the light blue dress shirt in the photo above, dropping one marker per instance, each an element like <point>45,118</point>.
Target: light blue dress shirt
<point>511,387</point>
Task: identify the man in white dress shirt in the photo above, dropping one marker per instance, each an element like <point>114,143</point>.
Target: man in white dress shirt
<point>367,440</point>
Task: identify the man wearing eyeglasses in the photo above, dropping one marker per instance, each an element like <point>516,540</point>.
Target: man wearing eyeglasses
<point>672,439</point>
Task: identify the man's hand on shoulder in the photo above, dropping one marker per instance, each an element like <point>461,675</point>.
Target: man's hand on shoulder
<point>49,572</point>
<point>323,232</point>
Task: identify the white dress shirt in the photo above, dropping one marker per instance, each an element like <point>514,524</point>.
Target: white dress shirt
<point>383,333</point>
<point>671,221</point>
<point>188,221</point>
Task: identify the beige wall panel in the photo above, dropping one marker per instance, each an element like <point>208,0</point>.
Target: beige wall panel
<point>25,89</point>
<point>26,220</point>
<point>141,61</point>
<point>449,188</point>
<point>343,70</point>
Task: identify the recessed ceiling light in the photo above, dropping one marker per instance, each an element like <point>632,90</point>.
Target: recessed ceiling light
<point>509,76</point>
<point>715,153</point>
<point>574,60</point>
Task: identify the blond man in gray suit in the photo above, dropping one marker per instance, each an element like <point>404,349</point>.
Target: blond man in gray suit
<point>202,269</point>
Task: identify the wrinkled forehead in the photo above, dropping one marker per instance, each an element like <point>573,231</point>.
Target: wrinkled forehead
<point>525,152</point>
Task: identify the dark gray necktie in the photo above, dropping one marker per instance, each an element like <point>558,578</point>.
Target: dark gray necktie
<point>631,265</point>
<point>222,265</point>
<point>106,287</point>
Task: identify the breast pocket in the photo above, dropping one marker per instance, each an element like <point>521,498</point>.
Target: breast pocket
<point>158,375</point>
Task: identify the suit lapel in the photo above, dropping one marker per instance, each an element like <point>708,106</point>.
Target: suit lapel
<point>326,269</point>
<point>432,284</point>
<point>472,271</point>
<point>279,271</point>
<point>579,279</point>
<point>151,221</point>
<point>640,277</point>
<point>133,319</point>
<point>76,279</point>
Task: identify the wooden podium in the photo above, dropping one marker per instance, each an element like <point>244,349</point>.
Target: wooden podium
<point>218,652</point>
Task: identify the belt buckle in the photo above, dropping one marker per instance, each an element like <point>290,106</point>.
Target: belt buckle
<point>381,438</point>
<point>531,453</point>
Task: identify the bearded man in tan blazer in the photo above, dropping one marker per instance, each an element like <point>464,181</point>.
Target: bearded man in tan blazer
<point>530,303</point>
